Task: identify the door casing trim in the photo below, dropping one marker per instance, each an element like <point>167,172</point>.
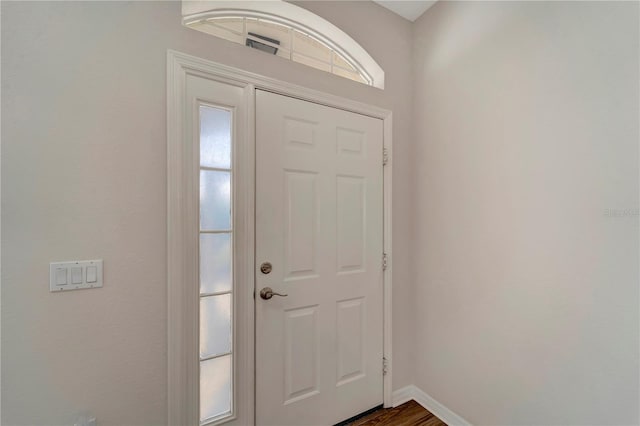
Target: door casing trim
<point>183,373</point>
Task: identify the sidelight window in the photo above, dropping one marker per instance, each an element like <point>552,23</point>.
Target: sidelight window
<point>216,265</point>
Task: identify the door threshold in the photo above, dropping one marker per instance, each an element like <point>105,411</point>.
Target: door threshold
<point>358,416</point>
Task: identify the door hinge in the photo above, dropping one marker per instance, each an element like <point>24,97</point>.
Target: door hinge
<point>385,156</point>
<point>385,366</point>
<point>384,261</point>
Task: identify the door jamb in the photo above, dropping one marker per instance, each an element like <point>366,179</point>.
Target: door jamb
<point>182,380</point>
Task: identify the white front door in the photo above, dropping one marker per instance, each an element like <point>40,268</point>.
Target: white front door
<point>319,224</point>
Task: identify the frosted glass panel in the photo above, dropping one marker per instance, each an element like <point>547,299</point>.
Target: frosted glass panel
<point>215,137</point>
<point>215,263</point>
<point>215,325</point>
<point>215,200</point>
<point>215,387</point>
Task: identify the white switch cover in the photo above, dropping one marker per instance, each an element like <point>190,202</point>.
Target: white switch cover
<point>61,276</point>
<point>75,275</point>
<point>92,274</point>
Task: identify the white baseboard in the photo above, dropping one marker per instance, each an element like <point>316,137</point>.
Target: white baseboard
<point>410,392</point>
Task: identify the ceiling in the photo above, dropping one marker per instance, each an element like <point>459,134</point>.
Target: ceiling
<point>408,9</point>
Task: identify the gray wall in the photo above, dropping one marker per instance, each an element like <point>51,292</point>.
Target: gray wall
<point>516,264</point>
<point>84,176</point>
<point>526,286</point>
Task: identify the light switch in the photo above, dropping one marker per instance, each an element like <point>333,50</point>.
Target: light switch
<point>92,274</point>
<point>61,276</point>
<point>76,275</point>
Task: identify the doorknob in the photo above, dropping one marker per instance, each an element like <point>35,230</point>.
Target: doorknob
<point>267,293</point>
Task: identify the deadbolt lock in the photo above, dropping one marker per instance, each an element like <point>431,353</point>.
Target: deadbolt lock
<point>266,268</point>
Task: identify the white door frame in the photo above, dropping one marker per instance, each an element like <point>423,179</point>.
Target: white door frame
<point>182,270</point>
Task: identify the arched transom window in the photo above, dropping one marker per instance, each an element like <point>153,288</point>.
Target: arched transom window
<point>288,31</point>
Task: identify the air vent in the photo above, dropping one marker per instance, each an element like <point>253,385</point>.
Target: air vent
<point>269,46</point>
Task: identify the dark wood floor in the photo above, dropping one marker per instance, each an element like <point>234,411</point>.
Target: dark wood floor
<point>408,414</point>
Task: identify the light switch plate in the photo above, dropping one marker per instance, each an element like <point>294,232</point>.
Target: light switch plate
<point>76,275</point>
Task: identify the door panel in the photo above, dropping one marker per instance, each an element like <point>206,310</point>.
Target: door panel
<point>319,223</point>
